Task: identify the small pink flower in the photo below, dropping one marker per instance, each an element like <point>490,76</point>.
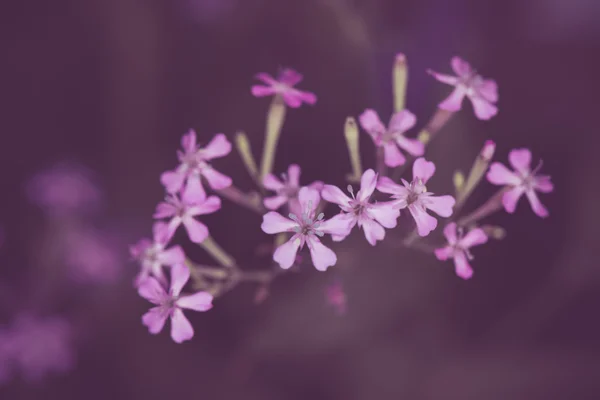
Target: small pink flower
<point>306,228</point>
<point>183,211</point>
<point>483,93</point>
<point>522,180</point>
<point>392,138</point>
<point>284,86</point>
<point>92,256</point>
<point>171,304</point>
<point>488,150</point>
<point>336,297</point>
<point>458,248</point>
<point>372,217</point>
<point>287,189</point>
<point>415,196</point>
<point>194,164</point>
<point>152,254</point>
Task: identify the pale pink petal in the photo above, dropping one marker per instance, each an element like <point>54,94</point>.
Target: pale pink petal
<point>309,198</point>
<point>219,146</point>
<point>450,233</point>
<point>448,79</point>
<point>271,182</point>
<point>172,256</point>
<point>188,141</point>
<point>392,155</point>
<point>386,185</point>
<point>474,237</point>
<point>461,266</point>
<point>138,249</point>
<point>370,122</point>
<point>441,205</point>
<point>308,97</point>
<point>180,274</point>
<point>335,195</point>
<point>216,180</point>
<point>181,329</point>
<point>210,205</point>
<point>155,319</point>
<point>499,174</point>
<point>194,191</point>
<point>290,77</point>
<point>160,232</point>
<point>460,67</point>
<point>368,182</point>
<point>151,290</point>
<point>262,91</point>
<point>274,202</point>
<point>543,184</point>
<point>316,185</point>
<point>339,225</point>
<point>293,175</point>
<point>386,214</point>
<point>444,253</point>
<point>292,98</point>
<point>294,206</point>
<point>173,180</point>
<point>266,78</point>
<point>201,301</point>
<point>285,255</point>
<point>196,230</point>
<point>412,146</point>
<point>425,222</point>
<point>274,222</point>
<point>322,256</point>
<point>520,159</point>
<point>488,89</point>
<point>484,110</point>
<point>373,231</point>
<point>510,198</point>
<point>164,210</point>
<point>454,101</point>
<point>536,205</point>
<point>402,121</point>
<point>423,169</point>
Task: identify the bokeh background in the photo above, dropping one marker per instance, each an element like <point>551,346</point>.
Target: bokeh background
<point>106,88</point>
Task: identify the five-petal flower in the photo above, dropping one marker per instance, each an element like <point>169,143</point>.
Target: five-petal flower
<point>286,190</point>
<point>458,248</point>
<point>284,86</point>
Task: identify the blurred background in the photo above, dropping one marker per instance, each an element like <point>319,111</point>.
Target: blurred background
<point>94,97</point>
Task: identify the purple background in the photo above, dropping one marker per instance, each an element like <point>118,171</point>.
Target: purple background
<point>113,84</point>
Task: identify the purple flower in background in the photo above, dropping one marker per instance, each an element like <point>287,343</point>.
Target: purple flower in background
<point>284,86</point>
<point>287,190</point>
<point>483,93</point>
<point>336,297</point>
<point>171,304</point>
<point>458,248</point>
<point>522,181</point>
<point>64,189</point>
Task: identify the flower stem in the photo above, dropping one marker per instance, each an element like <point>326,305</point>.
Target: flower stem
<point>275,118</point>
<point>243,145</point>
<point>245,200</point>
<point>351,135</point>
<point>400,79</point>
<point>217,252</point>
<point>493,204</point>
<point>477,172</point>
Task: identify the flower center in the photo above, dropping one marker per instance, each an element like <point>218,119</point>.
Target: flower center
<point>306,224</point>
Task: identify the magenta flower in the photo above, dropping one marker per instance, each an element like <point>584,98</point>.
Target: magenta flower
<point>372,217</point>
<point>336,297</point>
<point>183,211</point>
<point>286,189</point>
<point>284,86</point>
<point>522,180</point>
<point>152,254</point>
<point>392,138</point>
<point>306,228</point>
<point>483,93</point>
<point>458,248</point>
<point>415,196</point>
<point>194,163</point>
<point>171,304</point>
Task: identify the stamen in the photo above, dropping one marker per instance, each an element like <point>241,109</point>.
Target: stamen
<point>293,217</point>
<point>320,216</point>
<point>537,168</point>
<point>351,190</point>
<point>319,233</point>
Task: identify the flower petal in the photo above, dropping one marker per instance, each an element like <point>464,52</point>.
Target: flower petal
<point>173,180</point>
<point>194,191</point>
<point>180,274</point>
<point>210,205</point>
<point>373,231</point>
<point>412,146</point>
<point>219,146</point>
<point>520,159</point>
<point>510,198</point>
<point>266,78</point>
<point>474,237</point>
<point>196,230</point>
<point>285,255</point>
<point>461,266</point>
<point>216,180</point>
<point>290,77</point>
<point>450,233</point>
<point>164,210</point>
<point>444,253</point>
<point>160,232</point>
<point>188,141</point>
<point>172,256</point>
<point>273,222</point>
<point>307,97</point>
<point>425,222</point>
<point>274,202</point>
<point>201,301</point>
<point>309,198</point>
<point>448,79</point>
<point>441,205</point>
<point>271,182</point>
<point>335,195</point>
<point>155,319</point>
<point>543,184</point>
<point>151,290</point>
<point>370,122</point>
<point>386,213</point>
<point>484,110</point>
<point>368,183</point>
<point>386,185</point>
<point>454,101</point>
<point>322,256</point>
<point>460,67</point>
<point>423,169</point>
<point>181,329</point>
<point>293,175</point>
<point>488,89</point>
<point>137,250</point>
<point>536,205</point>
<point>262,91</point>
<point>401,122</point>
<point>499,174</point>
<point>392,155</point>
<point>339,225</point>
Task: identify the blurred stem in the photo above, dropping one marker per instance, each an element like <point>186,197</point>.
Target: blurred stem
<point>247,200</point>
<point>380,156</point>
<point>477,172</point>
<point>275,118</point>
<point>493,204</point>
<point>400,79</point>
<point>243,145</point>
<point>352,141</point>
<point>217,252</point>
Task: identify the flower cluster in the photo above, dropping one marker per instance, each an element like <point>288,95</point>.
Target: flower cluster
<point>298,214</point>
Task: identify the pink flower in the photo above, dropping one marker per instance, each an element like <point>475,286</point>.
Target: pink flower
<point>92,256</point>
<point>522,180</point>
<point>483,93</point>
<point>183,211</point>
<point>392,138</point>
<point>371,217</point>
<point>336,297</point>
<point>306,228</point>
<point>171,304</point>
<point>194,163</point>
<point>287,189</point>
<point>152,254</point>
<point>415,196</point>
<point>458,248</point>
<point>284,86</point>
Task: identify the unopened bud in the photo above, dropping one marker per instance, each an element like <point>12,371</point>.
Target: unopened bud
<point>487,153</point>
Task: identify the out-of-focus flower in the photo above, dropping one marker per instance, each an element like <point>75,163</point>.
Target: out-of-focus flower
<point>152,254</point>
<point>284,86</point>
<point>483,93</point>
<point>39,346</point>
<point>392,138</point>
<point>92,256</point>
<point>458,248</point>
<point>522,180</point>
<point>194,164</point>
<point>336,297</point>
<point>287,189</point>
<point>64,189</point>
<point>372,217</point>
<point>415,196</point>
<point>306,228</point>
<point>182,211</point>
<point>171,304</point>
